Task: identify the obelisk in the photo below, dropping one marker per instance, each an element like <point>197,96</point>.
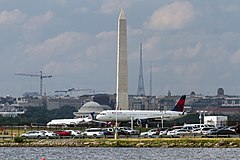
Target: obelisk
<point>122,66</point>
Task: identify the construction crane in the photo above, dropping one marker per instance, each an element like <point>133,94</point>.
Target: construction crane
<point>92,91</point>
<point>41,76</point>
<point>65,91</point>
<point>72,90</point>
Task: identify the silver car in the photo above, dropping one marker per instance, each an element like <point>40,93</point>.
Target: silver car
<point>151,133</point>
<point>33,134</point>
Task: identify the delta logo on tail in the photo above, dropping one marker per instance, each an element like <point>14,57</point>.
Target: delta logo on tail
<point>179,107</point>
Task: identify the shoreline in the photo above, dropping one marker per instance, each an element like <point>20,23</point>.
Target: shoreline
<point>130,142</point>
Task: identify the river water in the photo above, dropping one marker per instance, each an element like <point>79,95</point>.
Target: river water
<point>79,153</point>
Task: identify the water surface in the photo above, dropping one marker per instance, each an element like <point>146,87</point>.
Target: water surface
<point>75,153</point>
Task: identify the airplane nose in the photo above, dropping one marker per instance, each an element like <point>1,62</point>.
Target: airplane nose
<point>98,117</point>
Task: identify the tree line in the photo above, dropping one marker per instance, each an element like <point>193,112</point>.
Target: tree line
<point>39,116</point>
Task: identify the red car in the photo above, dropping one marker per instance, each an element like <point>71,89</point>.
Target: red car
<point>63,133</point>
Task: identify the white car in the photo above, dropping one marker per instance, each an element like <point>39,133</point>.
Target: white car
<point>75,134</point>
<point>233,128</point>
<point>163,131</point>
<point>203,130</point>
<point>33,134</point>
<point>178,132</point>
<point>49,134</point>
<point>151,133</point>
<point>93,133</point>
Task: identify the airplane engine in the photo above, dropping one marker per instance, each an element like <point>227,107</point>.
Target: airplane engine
<point>72,124</point>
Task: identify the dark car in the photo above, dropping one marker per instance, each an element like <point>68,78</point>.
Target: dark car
<point>121,131</point>
<point>62,133</point>
<point>222,133</point>
<point>108,131</point>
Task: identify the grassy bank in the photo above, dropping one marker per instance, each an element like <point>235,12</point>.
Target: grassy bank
<point>130,142</point>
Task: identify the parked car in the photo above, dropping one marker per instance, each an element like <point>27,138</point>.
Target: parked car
<point>172,128</point>
<point>178,132</point>
<point>191,128</point>
<point>109,131</point>
<point>129,131</point>
<point>121,131</point>
<point>203,130</point>
<point>62,133</point>
<point>49,134</point>
<point>33,134</point>
<point>222,133</point>
<point>75,134</point>
<point>233,128</point>
<point>93,133</point>
<point>163,131</point>
<point>212,131</point>
<point>151,133</point>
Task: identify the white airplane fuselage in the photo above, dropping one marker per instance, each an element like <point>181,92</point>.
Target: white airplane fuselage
<point>64,122</point>
<point>127,115</point>
<point>75,121</point>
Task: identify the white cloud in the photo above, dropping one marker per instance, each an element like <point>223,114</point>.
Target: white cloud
<point>63,43</point>
<point>173,16</point>
<point>38,21</point>
<point>73,51</point>
<point>187,52</point>
<point>103,44</point>
<point>110,6</point>
<point>193,71</point>
<point>11,17</point>
<point>69,67</point>
<point>152,42</point>
<point>135,31</point>
<point>106,35</point>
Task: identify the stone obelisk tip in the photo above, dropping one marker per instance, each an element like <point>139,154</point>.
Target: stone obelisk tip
<point>122,15</point>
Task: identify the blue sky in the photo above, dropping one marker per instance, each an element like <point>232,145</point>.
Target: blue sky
<point>192,45</point>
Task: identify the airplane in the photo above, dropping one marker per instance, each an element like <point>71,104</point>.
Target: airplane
<point>71,122</point>
<point>142,116</point>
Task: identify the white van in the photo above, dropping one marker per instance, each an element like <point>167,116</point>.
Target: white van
<point>93,133</point>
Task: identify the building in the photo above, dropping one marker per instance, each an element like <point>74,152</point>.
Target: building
<point>220,92</point>
<point>218,121</point>
<point>89,108</point>
<point>56,103</point>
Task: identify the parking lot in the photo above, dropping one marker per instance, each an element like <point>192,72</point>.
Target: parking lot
<point>122,132</point>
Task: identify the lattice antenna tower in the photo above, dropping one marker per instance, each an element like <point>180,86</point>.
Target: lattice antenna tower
<point>141,91</point>
<point>150,90</point>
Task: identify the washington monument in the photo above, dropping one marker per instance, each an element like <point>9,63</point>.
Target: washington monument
<point>122,66</point>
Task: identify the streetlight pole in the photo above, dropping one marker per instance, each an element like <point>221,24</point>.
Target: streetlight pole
<point>162,121</point>
<point>200,117</point>
<point>131,122</point>
<point>204,113</point>
<point>116,125</point>
<point>116,132</point>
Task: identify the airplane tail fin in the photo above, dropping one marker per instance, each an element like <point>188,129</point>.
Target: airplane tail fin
<point>180,104</point>
<point>91,116</point>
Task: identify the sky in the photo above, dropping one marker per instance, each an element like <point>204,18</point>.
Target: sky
<point>192,45</point>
